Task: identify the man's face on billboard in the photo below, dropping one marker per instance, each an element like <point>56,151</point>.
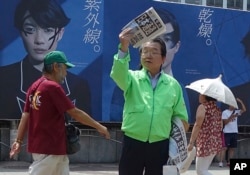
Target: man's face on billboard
<point>172,47</point>
<point>37,40</point>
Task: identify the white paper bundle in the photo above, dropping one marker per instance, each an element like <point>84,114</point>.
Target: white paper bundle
<point>146,26</point>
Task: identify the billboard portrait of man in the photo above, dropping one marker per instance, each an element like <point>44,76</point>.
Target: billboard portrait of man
<point>41,25</point>
<point>210,45</point>
<point>173,44</point>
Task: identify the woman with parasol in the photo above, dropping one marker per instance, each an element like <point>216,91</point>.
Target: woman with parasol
<point>206,133</point>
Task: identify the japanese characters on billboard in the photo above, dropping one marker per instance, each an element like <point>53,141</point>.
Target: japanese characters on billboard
<point>204,42</point>
<point>80,37</point>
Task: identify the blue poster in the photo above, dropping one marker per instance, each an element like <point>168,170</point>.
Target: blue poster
<point>211,41</point>
<point>80,38</point>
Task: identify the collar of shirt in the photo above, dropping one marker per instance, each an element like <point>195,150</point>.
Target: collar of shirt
<point>154,79</point>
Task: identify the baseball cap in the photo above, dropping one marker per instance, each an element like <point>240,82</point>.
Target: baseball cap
<point>57,57</point>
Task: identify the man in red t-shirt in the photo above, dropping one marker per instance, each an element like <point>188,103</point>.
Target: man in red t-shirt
<point>43,118</point>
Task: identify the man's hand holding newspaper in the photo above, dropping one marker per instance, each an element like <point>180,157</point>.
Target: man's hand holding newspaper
<point>146,26</point>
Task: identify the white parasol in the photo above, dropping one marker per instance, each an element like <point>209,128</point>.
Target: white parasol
<point>214,88</point>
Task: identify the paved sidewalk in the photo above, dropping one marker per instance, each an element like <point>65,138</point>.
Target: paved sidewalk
<point>20,168</point>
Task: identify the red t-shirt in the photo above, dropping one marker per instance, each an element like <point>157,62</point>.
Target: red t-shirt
<point>46,134</point>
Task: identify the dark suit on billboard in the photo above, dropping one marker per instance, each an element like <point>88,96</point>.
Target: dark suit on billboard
<point>16,78</point>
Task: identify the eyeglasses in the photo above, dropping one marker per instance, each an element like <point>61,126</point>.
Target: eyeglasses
<point>152,53</point>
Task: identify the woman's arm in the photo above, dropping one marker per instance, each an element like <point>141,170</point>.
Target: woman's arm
<point>200,116</point>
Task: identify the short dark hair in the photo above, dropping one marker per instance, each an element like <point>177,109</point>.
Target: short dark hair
<point>46,13</point>
<point>167,17</point>
<point>209,98</point>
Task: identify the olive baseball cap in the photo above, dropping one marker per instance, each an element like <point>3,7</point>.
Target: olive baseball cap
<point>57,57</point>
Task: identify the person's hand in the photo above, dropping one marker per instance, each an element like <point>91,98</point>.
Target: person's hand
<point>125,37</point>
<point>239,100</point>
<point>190,146</point>
<point>232,117</point>
<point>15,149</point>
<point>104,131</point>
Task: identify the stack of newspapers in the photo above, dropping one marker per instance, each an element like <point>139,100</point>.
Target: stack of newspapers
<point>178,153</point>
<point>146,26</point>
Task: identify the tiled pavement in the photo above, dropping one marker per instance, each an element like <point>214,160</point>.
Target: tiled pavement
<point>20,168</point>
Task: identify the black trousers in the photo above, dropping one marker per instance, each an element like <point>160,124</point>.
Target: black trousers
<point>140,158</point>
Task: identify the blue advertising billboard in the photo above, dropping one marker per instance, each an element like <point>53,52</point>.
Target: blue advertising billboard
<point>212,41</point>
